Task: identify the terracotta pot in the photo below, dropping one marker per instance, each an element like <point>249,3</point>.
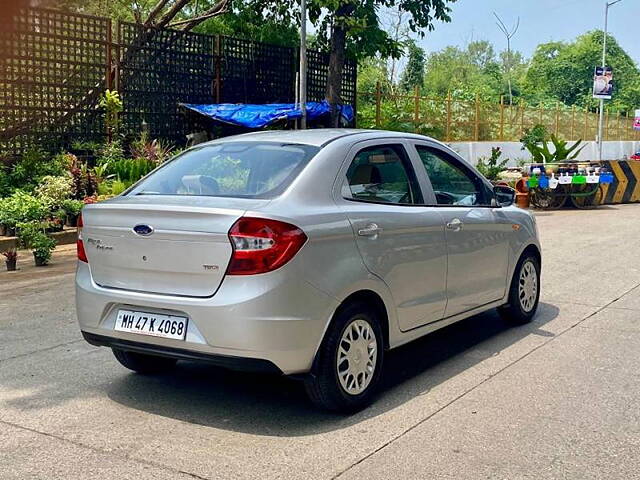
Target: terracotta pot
<point>11,264</point>
<point>521,185</point>
<point>522,199</point>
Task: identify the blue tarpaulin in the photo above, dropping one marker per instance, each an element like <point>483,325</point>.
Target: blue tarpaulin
<point>259,116</point>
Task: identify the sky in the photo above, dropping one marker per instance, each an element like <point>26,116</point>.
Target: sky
<point>540,21</point>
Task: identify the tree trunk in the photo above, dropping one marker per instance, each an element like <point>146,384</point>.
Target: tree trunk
<point>336,63</point>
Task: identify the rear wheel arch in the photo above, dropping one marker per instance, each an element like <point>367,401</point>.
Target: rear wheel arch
<point>365,297</point>
<point>373,300</point>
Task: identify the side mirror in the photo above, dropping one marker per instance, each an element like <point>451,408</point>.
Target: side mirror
<point>504,196</point>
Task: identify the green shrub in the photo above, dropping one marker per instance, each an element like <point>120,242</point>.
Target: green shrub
<point>52,191</point>
<point>5,182</point>
<point>131,170</point>
<point>22,207</point>
<point>117,187</point>
<point>111,152</point>
<point>34,165</point>
<point>72,208</point>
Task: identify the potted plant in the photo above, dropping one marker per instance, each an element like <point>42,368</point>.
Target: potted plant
<point>10,259</point>
<point>32,235</point>
<point>72,209</point>
<point>43,247</point>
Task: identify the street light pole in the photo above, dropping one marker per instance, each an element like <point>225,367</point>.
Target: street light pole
<point>303,63</point>
<point>607,5</point>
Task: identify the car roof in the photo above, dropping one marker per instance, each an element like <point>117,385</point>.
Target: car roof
<point>318,137</point>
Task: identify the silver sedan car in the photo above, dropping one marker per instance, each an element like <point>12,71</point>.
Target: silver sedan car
<point>306,253</point>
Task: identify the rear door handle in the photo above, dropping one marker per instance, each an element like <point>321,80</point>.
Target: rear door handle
<point>370,230</point>
<point>455,225</point>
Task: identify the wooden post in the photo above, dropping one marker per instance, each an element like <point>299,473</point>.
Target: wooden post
<point>476,133</point>
<point>116,69</point>
<point>448,128</point>
<point>108,79</point>
<point>618,127</point>
<point>541,115</point>
<point>523,106</point>
<point>109,57</point>
<point>378,100</point>
<point>416,109</point>
<point>502,118</point>
<point>586,123</point>
<point>557,127</point>
<point>573,122</point>
<point>605,134</point>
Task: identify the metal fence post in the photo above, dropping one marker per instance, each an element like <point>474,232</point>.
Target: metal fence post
<point>378,99</point>
<point>448,127</point>
<point>476,133</point>
<point>502,118</point>
<point>416,109</point>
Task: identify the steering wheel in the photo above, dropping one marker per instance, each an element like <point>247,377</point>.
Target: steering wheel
<point>444,198</point>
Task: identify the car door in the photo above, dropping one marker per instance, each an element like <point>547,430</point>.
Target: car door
<point>400,240</point>
<point>476,233</point>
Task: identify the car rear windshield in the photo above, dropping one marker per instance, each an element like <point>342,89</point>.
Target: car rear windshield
<point>234,169</point>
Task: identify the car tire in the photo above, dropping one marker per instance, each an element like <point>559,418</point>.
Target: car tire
<point>339,381</point>
<point>142,363</point>
<point>524,292</point>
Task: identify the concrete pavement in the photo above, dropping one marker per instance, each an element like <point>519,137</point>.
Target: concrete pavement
<point>558,398</point>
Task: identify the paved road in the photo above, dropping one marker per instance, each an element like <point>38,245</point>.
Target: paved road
<point>559,398</point>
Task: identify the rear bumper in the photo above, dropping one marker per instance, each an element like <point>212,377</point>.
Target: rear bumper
<point>276,318</point>
<point>232,363</point>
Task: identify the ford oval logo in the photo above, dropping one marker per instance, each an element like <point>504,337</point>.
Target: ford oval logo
<point>143,230</point>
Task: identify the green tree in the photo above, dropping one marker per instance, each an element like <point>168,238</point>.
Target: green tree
<point>564,72</point>
<point>413,75</point>
<point>354,26</point>
<point>481,54</point>
<point>464,74</point>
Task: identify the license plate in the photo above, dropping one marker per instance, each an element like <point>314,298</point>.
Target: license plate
<point>154,324</point>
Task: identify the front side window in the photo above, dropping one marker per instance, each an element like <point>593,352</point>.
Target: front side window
<point>234,169</point>
<point>452,184</point>
<point>382,174</point>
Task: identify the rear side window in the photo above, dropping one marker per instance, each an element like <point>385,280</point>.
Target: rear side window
<point>234,169</point>
<point>382,174</point>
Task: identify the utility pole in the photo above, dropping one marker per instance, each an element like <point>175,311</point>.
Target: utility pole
<point>303,63</point>
<point>607,5</point>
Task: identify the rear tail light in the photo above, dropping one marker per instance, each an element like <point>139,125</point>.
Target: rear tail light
<point>82,255</point>
<point>261,245</point>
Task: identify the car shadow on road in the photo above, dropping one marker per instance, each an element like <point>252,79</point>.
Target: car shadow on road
<point>277,406</point>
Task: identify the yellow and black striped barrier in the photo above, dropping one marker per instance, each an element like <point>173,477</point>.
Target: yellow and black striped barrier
<point>626,182</point>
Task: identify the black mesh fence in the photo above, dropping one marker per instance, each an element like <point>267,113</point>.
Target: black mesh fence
<point>55,65</point>
<point>52,71</point>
